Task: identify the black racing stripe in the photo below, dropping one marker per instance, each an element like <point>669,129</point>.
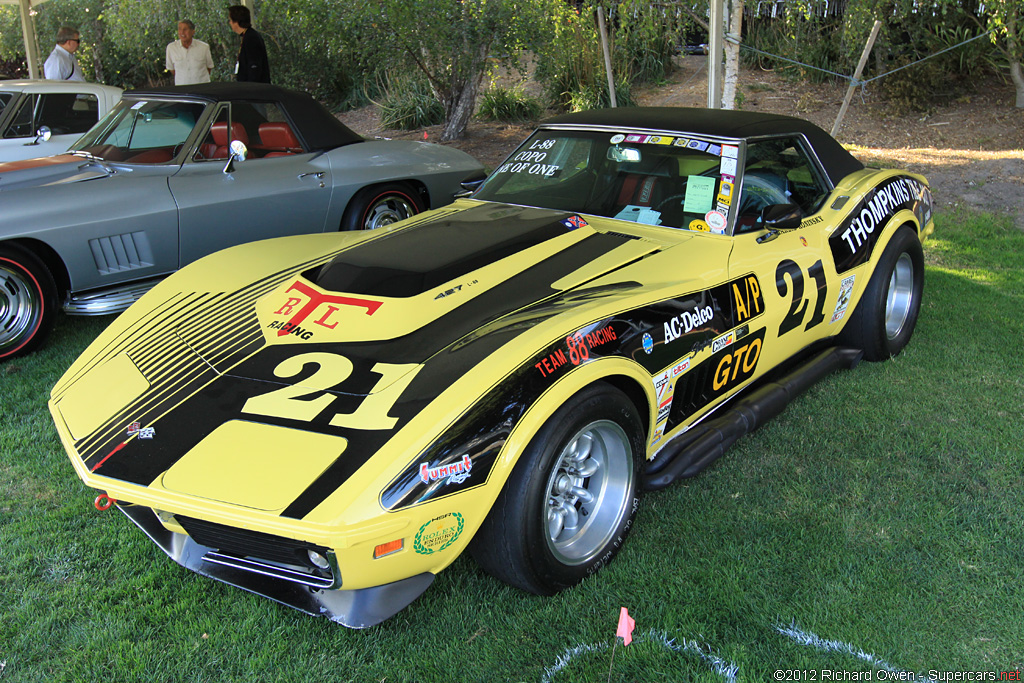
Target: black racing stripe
<point>528,287</point>
<point>425,256</point>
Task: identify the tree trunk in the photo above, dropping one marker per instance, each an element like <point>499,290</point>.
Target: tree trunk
<point>1017,74</point>
<point>732,54</point>
<point>458,109</point>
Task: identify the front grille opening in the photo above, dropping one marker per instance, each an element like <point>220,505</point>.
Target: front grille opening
<point>255,545</point>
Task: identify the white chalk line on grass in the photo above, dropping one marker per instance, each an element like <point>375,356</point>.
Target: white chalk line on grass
<point>727,670</point>
<point>721,667</point>
<point>794,633</point>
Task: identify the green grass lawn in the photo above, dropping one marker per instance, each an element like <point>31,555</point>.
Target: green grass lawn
<point>877,525</point>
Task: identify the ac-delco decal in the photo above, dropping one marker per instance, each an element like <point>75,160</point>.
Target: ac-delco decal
<point>853,241</point>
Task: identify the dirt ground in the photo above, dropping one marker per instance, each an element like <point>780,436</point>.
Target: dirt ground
<point>971,149</point>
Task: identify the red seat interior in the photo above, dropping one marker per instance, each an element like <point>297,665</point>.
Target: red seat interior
<point>151,156</point>
<point>219,131</point>
<point>278,138</point>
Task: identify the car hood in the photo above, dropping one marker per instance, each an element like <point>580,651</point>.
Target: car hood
<point>60,168</point>
<point>208,394</point>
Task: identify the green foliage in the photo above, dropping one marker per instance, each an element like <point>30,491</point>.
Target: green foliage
<point>571,64</point>
<point>509,104</point>
<point>407,104</point>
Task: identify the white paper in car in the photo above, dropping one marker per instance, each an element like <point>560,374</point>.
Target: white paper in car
<point>700,194</point>
<point>639,214</point>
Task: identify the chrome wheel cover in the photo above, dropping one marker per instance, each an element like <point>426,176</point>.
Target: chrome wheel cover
<point>588,493</point>
<point>19,306</point>
<point>899,298</point>
<point>389,209</point>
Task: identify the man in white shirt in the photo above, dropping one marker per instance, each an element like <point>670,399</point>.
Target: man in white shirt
<point>61,65</point>
<point>189,59</point>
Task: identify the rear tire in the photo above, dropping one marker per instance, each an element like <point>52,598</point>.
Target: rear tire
<point>571,499</point>
<point>28,301</point>
<point>886,315</point>
<point>375,207</point>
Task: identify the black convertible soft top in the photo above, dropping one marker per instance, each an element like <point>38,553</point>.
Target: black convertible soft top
<point>837,162</point>
<point>315,124</point>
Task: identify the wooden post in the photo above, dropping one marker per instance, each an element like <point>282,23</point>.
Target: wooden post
<point>856,77</point>
<point>607,56</point>
<point>716,45</point>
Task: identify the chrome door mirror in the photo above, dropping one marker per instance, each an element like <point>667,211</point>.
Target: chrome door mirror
<point>238,152</point>
<point>42,135</point>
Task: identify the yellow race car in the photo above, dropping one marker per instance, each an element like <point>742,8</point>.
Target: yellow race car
<point>330,420</point>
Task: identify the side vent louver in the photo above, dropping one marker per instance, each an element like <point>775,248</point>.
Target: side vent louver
<point>118,253</point>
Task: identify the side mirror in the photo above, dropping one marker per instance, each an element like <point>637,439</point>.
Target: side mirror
<point>782,217</point>
<point>238,152</point>
<point>42,135</point>
<point>469,186</point>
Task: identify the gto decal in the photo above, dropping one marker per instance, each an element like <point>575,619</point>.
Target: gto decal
<point>738,366</point>
<point>853,241</point>
<point>439,533</point>
<point>306,399</point>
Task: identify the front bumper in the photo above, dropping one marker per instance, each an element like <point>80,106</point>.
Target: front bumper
<point>352,608</point>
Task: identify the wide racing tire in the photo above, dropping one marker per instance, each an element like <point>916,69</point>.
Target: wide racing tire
<point>572,497</point>
<point>380,205</point>
<point>887,313</point>
<point>28,301</point>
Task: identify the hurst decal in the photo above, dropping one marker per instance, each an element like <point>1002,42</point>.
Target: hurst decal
<point>853,241</point>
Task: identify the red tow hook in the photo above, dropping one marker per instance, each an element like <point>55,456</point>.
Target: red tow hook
<point>103,502</point>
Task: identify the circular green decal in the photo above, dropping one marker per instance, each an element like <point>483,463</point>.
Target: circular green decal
<point>439,533</point>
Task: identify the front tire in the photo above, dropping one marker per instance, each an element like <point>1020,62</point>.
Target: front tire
<point>572,497</point>
<point>28,301</point>
<point>375,207</point>
<point>886,315</point>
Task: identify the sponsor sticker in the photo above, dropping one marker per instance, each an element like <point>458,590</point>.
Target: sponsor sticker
<point>728,166</point>
<point>439,533</point>
<point>730,151</point>
<point>617,138</point>
<point>455,473</point>
<point>136,428</point>
<point>574,222</point>
<point>845,289</point>
<point>699,226</point>
<point>722,342</point>
<point>716,221</point>
<point>698,145</point>
<point>648,343</point>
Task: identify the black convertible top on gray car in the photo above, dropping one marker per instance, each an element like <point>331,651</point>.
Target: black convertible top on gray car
<point>319,128</point>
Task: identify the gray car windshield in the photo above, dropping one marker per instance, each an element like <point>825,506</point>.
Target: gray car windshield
<point>142,132</point>
<point>671,180</point>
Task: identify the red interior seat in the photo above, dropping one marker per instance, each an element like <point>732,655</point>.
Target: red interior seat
<point>219,131</point>
<point>277,137</point>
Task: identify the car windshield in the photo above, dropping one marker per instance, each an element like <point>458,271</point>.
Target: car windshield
<point>141,131</point>
<point>670,180</point>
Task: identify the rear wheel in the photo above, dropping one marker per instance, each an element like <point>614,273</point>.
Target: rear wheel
<point>886,315</point>
<point>571,499</point>
<point>28,301</point>
<point>375,207</point>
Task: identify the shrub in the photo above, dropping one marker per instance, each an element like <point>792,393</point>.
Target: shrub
<point>509,104</point>
<point>408,104</point>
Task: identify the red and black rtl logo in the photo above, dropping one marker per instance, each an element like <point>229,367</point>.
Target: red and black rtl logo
<point>319,308</point>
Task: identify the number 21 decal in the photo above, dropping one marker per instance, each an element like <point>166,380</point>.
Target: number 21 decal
<point>799,305</point>
<point>296,402</point>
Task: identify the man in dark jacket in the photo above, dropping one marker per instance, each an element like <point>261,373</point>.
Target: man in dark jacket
<point>252,62</point>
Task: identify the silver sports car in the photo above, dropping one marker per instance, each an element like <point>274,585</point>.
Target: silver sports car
<point>173,174</point>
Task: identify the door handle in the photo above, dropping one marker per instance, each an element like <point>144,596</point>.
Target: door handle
<point>319,175</point>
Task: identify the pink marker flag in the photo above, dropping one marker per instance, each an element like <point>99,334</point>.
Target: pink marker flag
<point>625,629</point>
